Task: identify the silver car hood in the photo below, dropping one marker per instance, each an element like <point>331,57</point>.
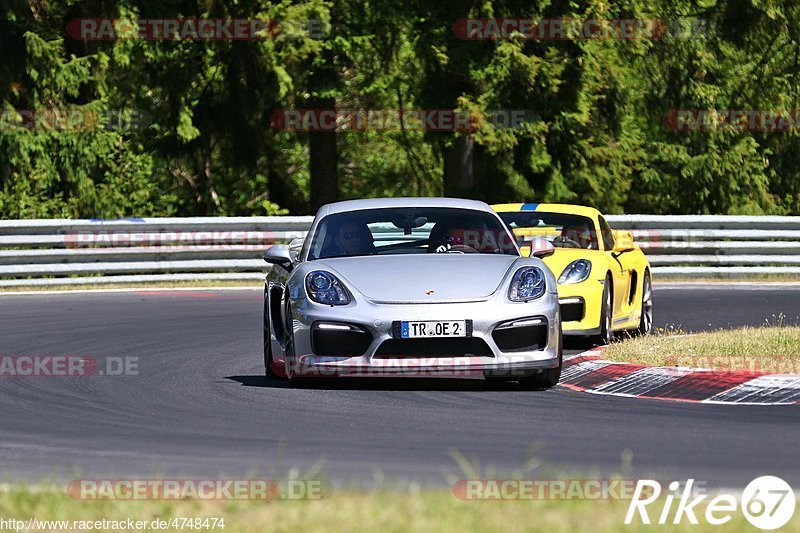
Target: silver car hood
<point>410,278</point>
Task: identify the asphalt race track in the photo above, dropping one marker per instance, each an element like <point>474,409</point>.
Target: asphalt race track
<point>200,405</point>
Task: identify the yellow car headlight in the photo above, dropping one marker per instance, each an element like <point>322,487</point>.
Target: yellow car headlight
<point>575,272</point>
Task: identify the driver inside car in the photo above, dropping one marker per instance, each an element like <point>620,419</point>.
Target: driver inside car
<point>453,236</point>
<point>452,239</point>
<point>574,237</point>
<point>353,238</point>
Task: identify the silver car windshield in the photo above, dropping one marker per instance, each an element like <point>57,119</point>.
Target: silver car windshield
<point>410,230</point>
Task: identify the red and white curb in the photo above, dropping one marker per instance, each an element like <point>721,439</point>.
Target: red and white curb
<point>588,372</point>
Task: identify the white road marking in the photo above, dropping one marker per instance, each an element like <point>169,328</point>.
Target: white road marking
<point>775,389</point>
<point>643,381</point>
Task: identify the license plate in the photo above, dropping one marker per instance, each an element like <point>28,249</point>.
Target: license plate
<point>437,328</point>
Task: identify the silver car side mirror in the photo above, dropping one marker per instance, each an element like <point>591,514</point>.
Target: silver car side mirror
<point>279,254</point>
<point>296,248</point>
<point>541,247</point>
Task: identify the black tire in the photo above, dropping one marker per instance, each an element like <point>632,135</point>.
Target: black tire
<point>549,377</point>
<point>606,334</point>
<point>267,342</point>
<point>646,321</point>
<point>294,381</point>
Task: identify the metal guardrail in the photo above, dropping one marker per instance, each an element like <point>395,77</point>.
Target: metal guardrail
<point>712,246</point>
<point>56,252</point>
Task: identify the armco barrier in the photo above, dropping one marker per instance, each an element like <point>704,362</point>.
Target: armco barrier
<point>712,246</point>
<point>55,252</point>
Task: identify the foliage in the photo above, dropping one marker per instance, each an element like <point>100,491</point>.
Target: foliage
<point>596,129</point>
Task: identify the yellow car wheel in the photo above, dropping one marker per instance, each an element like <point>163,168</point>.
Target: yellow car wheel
<point>606,334</point>
<point>646,321</point>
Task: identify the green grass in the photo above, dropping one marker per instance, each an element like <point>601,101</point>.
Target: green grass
<point>770,348</point>
<point>380,512</point>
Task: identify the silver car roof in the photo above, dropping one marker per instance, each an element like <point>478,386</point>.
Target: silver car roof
<point>375,203</point>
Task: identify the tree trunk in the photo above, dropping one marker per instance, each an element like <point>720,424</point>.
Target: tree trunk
<point>324,160</point>
<point>459,173</point>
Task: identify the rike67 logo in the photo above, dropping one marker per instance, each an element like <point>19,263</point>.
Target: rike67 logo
<point>767,502</point>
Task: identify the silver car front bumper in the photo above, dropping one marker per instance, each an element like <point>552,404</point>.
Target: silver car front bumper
<point>377,320</point>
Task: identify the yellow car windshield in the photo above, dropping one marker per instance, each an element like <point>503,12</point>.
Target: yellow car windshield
<point>564,231</point>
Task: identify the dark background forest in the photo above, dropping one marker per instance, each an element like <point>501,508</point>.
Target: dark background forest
<point>599,134</point>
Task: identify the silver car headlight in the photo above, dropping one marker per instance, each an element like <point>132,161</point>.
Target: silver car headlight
<point>528,283</point>
<point>575,272</point>
<point>325,288</point>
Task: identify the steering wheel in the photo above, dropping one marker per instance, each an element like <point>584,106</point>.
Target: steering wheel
<point>566,242</point>
<point>462,249</point>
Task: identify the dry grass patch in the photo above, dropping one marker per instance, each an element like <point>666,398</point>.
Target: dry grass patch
<point>770,348</point>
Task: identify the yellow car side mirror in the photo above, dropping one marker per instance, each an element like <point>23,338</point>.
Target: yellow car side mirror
<point>623,241</point>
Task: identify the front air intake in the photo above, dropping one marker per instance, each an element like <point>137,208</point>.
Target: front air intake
<point>444,347</point>
<point>524,335</point>
<point>340,340</point>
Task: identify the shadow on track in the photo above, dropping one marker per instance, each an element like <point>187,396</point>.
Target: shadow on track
<point>387,384</point>
<point>571,346</point>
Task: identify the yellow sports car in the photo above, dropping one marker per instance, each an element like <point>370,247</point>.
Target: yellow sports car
<point>604,281</point>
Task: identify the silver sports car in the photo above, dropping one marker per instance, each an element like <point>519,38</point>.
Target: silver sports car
<point>411,287</point>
